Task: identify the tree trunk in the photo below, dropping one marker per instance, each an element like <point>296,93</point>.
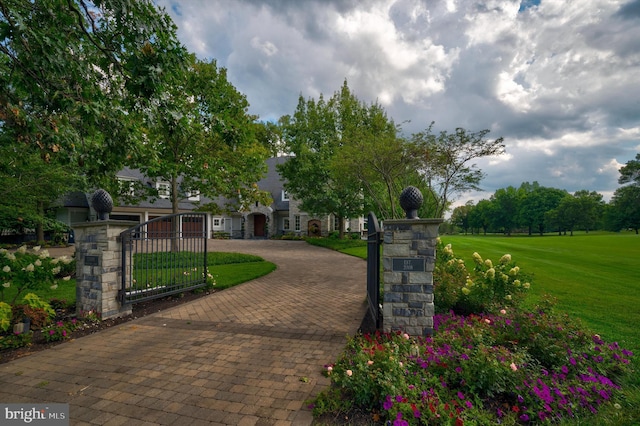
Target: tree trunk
<point>40,225</point>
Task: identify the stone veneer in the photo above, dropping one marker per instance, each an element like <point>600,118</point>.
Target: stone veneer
<point>408,295</point>
<point>99,267</point>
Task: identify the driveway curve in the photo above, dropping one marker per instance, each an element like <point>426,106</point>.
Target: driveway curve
<point>248,355</point>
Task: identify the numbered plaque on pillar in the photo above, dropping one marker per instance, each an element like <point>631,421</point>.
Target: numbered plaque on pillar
<point>408,264</point>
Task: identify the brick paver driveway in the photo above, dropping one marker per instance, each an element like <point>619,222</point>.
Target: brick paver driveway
<point>248,355</point>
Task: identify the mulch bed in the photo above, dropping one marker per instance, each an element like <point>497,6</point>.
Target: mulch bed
<point>38,343</point>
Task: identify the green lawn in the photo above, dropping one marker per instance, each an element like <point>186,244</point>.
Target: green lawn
<point>595,277</point>
<point>228,269</point>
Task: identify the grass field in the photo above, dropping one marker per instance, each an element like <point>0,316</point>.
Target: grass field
<point>595,276</point>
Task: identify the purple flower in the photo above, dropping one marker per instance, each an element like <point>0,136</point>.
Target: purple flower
<point>460,395</point>
<point>398,398</point>
<point>524,417</point>
<point>468,404</point>
<point>387,403</point>
<point>399,422</point>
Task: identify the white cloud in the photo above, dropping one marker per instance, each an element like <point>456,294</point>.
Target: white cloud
<point>558,80</point>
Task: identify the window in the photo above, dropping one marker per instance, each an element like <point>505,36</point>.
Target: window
<point>285,195</point>
<point>336,223</point>
<point>164,189</point>
<point>217,222</point>
<point>297,222</point>
<point>285,223</point>
<point>193,195</point>
<point>127,186</point>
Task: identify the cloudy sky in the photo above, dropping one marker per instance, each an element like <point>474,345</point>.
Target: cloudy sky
<point>559,80</point>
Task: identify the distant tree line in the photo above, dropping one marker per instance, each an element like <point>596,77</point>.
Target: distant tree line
<point>535,209</point>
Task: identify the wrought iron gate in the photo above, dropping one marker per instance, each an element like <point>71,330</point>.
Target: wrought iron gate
<point>164,256</point>
<point>374,240</point>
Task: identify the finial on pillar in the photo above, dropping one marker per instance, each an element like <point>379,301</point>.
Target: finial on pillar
<point>102,203</point>
<point>410,201</point>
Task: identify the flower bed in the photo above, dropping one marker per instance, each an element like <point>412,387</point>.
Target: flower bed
<point>489,361</point>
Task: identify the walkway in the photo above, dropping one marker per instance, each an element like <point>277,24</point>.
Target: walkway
<point>249,355</point>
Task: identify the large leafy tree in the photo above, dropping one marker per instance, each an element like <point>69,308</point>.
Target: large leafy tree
<point>372,154</point>
<point>536,201</point>
<point>624,209</point>
<point>447,161</point>
<point>315,135</point>
<point>506,203</point>
<point>76,78</point>
<point>205,141</point>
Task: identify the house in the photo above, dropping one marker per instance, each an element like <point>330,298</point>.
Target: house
<point>282,216</point>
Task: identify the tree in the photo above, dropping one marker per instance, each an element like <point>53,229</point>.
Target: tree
<point>630,172</point>
<point>445,161</point>
<point>205,141</point>
<point>536,201</point>
<point>460,216</point>
<point>314,134</point>
<point>28,186</point>
<point>77,75</point>
<point>372,154</point>
<point>480,216</point>
<point>625,208</point>
<point>591,207</point>
<point>625,204</point>
<point>505,209</point>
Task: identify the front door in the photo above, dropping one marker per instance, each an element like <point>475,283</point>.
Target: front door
<point>258,225</point>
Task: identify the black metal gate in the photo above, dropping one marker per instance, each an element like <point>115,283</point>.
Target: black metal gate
<point>164,256</point>
<point>374,240</point>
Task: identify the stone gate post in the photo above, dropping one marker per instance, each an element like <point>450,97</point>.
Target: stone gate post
<point>408,262</point>
<point>99,267</point>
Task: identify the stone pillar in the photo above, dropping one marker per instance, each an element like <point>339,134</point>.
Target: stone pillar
<point>408,261</point>
<point>99,267</point>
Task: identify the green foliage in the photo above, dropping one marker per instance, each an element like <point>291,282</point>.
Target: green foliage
<point>316,135</point>
<point>33,301</point>
<point>204,142</point>
<point>78,76</point>
<point>445,162</point>
<point>13,341</point>
<point>5,316</point>
<point>488,288</point>
<point>29,270</point>
<point>61,330</point>
<point>480,369</point>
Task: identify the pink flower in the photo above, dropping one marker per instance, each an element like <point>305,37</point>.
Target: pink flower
<point>406,336</point>
<point>503,311</point>
<point>349,373</point>
<point>514,367</point>
<point>369,362</point>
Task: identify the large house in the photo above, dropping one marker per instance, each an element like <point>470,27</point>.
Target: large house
<point>282,217</point>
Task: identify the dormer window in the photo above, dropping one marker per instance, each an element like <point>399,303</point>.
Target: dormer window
<point>285,195</point>
<point>127,186</point>
<point>164,190</point>
<point>193,195</point>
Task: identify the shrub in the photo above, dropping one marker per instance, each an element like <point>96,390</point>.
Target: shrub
<point>13,341</point>
<point>30,270</point>
<point>488,288</point>
<point>60,330</point>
